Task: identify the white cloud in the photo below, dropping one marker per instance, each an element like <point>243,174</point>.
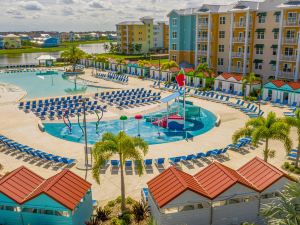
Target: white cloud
<point>31,5</point>
<point>96,4</point>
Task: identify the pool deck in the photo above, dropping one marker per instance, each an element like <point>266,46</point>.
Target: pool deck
<point>23,128</point>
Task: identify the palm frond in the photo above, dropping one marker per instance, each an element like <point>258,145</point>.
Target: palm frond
<point>242,132</point>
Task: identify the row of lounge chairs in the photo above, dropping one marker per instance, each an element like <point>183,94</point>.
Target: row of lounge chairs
<point>27,151</point>
<point>119,92</point>
<point>250,109</point>
<point>230,92</point>
<point>209,95</point>
<point>178,160</point>
<point>293,154</point>
<point>119,78</point>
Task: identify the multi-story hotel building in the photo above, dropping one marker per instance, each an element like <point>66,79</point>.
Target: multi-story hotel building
<point>141,36</point>
<point>243,37</point>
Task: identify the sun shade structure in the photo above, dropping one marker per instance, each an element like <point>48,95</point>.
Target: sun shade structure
<point>64,198</point>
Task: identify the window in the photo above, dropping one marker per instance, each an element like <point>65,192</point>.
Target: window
<point>174,58</point>
<point>277,18</point>
<point>259,50</point>
<point>275,35</point>
<point>171,210</point>
<point>287,67</point>
<point>221,34</point>
<point>220,61</point>
<point>203,60</point>
<point>260,35</point>
<point>46,211</point>
<point>173,46</point>
<point>290,34</point>
<point>174,21</point>
<point>233,201</point>
<point>292,18</point>
<point>186,208</point>
<point>222,20</point>
<point>261,19</point>
<point>257,66</point>
<point>218,203</point>
<point>174,35</point>
<point>221,48</point>
<point>203,21</point>
<point>270,195</point>
<point>288,51</point>
<point>274,51</point>
<point>203,48</point>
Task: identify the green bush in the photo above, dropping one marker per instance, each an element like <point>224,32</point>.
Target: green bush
<point>292,168</point>
<point>111,203</point>
<point>286,165</point>
<point>297,171</point>
<point>115,221</point>
<point>119,200</point>
<point>125,219</point>
<point>130,201</point>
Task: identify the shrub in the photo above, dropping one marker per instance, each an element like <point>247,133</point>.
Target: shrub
<point>111,203</point>
<point>297,171</point>
<point>125,219</point>
<point>292,168</point>
<point>103,214</point>
<point>286,165</point>
<point>119,199</point>
<point>115,221</point>
<point>139,211</point>
<point>130,201</point>
<point>93,221</point>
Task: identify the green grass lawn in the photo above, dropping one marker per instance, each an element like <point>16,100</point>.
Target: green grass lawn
<point>62,47</point>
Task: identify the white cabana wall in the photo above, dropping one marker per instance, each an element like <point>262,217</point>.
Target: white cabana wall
<point>139,71</point>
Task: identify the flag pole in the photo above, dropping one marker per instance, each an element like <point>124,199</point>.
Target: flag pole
<point>184,100</point>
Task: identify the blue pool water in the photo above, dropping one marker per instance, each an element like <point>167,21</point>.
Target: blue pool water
<point>39,85</point>
<point>152,134</point>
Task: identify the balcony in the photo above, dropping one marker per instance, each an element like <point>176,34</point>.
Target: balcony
<point>291,22</point>
<point>288,57</point>
<point>238,40</point>
<point>290,41</point>
<point>286,75</point>
<point>202,39</point>
<point>203,24</point>
<point>202,52</point>
<point>235,69</point>
<point>239,55</point>
<point>239,24</point>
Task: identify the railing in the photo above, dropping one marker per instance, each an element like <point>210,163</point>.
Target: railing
<point>237,54</point>
<point>203,39</point>
<point>202,24</point>
<point>286,75</point>
<point>239,24</point>
<point>292,22</point>
<point>290,41</point>
<point>288,57</point>
<point>238,39</point>
<point>202,52</point>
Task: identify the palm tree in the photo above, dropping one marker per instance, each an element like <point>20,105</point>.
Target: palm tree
<point>295,122</point>
<point>105,47</point>
<point>143,63</point>
<point>73,55</point>
<point>250,79</point>
<point>202,69</point>
<point>285,210</point>
<point>169,65</point>
<point>128,148</point>
<point>102,59</point>
<point>266,129</point>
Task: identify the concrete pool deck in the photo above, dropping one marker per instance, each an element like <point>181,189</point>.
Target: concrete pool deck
<point>22,127</point>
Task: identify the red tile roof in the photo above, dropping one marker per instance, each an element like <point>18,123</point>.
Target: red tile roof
<point>65,187</point>
<point>170,184</point>
<point>213,180</point>
<point>294,85</point>
<point>278,83</point>
<point>18,184</point>
<point>237,77</point>
<point>217,178</point>
<point>187,70</point>
<point>260,174</point>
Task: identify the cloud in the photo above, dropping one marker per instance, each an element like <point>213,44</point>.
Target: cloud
<point>68,2</point>
<point>96,4</point>
<point>67,11</point>
<point>31,5</point>
<point>15,13</point>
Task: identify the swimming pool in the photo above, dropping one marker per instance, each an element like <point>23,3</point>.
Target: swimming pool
<point>195,125</point>
<point>43,84</point>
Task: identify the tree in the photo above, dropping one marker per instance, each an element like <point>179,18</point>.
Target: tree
<point>143,63</point>
<point>112,48</point>
<point>285,210</point>
<point>249,79</point>
<point>105,47</point>
<point>73,55</point>
<point>266,129</point>
<point>138,48</point>
<point>169,65</point>
<point>202,69</point>
<point>102,59</point>
<point>295,122</point>
<point>126,147</point>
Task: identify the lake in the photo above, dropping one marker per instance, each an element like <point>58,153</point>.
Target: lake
<point>30,58</point>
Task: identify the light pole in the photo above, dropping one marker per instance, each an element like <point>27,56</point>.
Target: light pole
<point>159,72</point>
<point>123,118</point>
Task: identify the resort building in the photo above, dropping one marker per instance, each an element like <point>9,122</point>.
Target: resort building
<point>12,41</point>
<point>1,42</point>
<point>136,37</point>
<point>45,40</point>
<point>27,198</point>
<point>214,194</point>
<point>161,37</point>
<point>282,92</point>
<point>243,37</point>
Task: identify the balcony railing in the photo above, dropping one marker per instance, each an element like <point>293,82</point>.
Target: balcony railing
<point>239,55</point>
<point>202,39</point>
<point>235,69</point>
<point>286,75</point>
<point>202,52</point>
<point>239,39</point>
<point>202,24</point>
<point>290,40</point>
<point>292,22</point>
<point>288,57</point>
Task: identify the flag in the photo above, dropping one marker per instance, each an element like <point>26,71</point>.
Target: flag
<point>180,78</point>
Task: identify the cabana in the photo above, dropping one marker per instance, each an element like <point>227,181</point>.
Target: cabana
<point>154,72</point>
<point>27,198</point>
<point>282,92</point>
<point>215,195</point>
<point>233,84</point>
<point>46,60</point>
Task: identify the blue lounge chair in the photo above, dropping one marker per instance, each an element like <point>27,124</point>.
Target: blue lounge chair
<point>160,162</point>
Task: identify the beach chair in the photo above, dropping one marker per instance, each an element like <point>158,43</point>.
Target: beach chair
<point>128,165</point>
<point>115,164</point>
<point>160,162</point>
<point>148,164</point>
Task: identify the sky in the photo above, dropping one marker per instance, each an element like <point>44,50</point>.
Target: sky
<point>84,15</point>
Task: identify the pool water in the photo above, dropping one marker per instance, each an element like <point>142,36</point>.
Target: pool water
<point>38,85</point>
<point>151,134</point>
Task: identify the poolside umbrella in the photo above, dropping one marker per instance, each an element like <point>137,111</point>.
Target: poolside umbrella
<point>123,118</point>
<point>138,117</point>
